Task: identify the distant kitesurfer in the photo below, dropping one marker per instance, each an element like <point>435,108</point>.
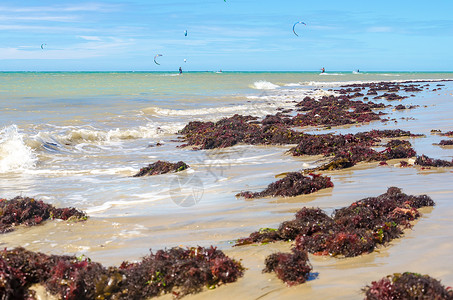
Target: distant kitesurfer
<point>323,70</point>
<point>180,70</point>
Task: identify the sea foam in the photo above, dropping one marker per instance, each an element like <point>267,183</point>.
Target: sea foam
<point>15,155</point>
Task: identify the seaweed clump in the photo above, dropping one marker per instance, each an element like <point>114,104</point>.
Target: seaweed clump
<point>276,129</point>
<point>161,167</point>
<point>407,285</point>
<point>352,230</point>
<point>446,143</point>
<point>294,184</point>
<point>30,212</point>
<point>178,271</point>
<point>292,268</point>
<point>448,133</point>
<point>347,150</point>
<point>426,161</point>
<point>334,111</point>
<point>227,132</point>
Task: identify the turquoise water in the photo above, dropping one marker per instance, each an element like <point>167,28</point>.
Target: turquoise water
<point>76,138</point>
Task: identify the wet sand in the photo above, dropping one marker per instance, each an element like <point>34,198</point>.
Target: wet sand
<point>220,218</point>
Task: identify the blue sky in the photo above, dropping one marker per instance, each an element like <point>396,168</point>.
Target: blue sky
<point>125,35</point>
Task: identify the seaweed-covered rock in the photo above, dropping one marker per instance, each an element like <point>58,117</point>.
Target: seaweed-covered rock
<point>426,161</point>
<point>161,167</point>
<point>178,271</point>
<point>407,286</point>
<point>293,184</point>
<point>30,212</point>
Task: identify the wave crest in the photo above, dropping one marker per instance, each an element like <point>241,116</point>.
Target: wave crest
<point>96,135</point>
<point>264,85</point>
<point>15,155</point>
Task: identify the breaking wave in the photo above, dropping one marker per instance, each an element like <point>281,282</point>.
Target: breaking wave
<point>264,85</point>
<point>74,135</point>
<point>15,155</point>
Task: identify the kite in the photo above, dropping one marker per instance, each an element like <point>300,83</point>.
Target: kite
<point>295,26</point>
<point>157,57</point>
<point>185,32</point>
<point>42,46</point>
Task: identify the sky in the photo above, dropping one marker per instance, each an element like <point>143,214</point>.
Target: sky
<point>232,35</point>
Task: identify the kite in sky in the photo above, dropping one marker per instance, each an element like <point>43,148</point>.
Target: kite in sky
<point>157,57</point>
<point>294,26</point>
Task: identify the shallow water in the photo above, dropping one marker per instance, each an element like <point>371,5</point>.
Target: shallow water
<point>75,139</point>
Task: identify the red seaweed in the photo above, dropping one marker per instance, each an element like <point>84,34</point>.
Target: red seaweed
<point>334,111</point>
<point>426,161</point>
<point>292,268</point>
<point>294,184</point>
<point>402,107</point>
<point>446,143</point>
<point>347,150</point>
<point>391,96</point>
<point>276,129</point>
<point>352,230</point>
<point>178,271</point>
<point>448,133</point>
<point>30,212</point>
<point>161,167</point>
<point>407,285</point>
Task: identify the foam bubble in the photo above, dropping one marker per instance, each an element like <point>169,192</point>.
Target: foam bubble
<point>15,155</point>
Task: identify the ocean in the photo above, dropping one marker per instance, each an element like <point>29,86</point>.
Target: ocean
<point>77,138</point>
